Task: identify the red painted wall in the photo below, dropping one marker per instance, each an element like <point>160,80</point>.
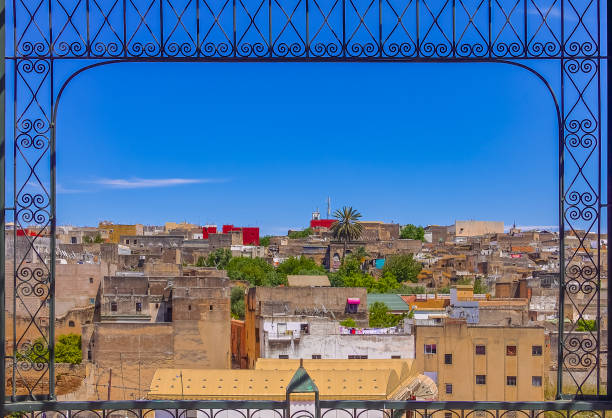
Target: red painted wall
<point>250,236</point>
<point>206,230</point>
<point>321,223</point>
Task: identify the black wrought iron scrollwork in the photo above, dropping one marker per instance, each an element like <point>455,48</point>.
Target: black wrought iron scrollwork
<point>562,34</point>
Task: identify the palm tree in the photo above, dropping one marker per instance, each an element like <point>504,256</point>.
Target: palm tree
<point>346,228</point>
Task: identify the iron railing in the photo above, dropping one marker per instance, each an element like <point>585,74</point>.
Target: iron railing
<point>560,42</point>
<point>326,409</point>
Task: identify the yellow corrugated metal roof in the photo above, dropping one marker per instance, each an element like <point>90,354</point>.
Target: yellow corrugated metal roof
<point>403,367</point>
<point>227,384</point>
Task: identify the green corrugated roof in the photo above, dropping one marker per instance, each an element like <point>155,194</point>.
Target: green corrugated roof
<point>393,302</point>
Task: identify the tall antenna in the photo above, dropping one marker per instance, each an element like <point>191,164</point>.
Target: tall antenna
<point>328,207</point>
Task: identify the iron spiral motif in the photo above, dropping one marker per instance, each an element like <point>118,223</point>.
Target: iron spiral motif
<point>561,34</point>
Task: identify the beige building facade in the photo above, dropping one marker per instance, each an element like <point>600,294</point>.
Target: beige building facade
<point>483,363</point>
<point>477,228</point>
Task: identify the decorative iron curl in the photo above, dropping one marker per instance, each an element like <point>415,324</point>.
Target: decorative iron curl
<point>546,49</point>
<point>101,49</point>
<point>404,49</point>
<point>429,49</point>
<point>37,66</point>
<point>502,49</point>
<point>583,66</point>
<point>147,49</point>
<point>40,126</point>
<point>257,49</point>
<point>38,141</point>
<point>33,49</point>
<point>175,49</point>
<point>472,50</point>
<point>63,49</point>
<point>33,356</point>
<point>33,207</point>
<point>580,48</point>
<point>368,49</point>
<point>584,125</point>
<point>586,272</point>
<point>296,49</point>
<point>321,49</point>
<point>222,49</point>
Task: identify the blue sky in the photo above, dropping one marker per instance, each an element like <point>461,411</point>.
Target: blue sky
<point>264,144</point>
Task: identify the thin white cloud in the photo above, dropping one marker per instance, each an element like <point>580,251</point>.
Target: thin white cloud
<point>140,183</point>
<point>64,190</point>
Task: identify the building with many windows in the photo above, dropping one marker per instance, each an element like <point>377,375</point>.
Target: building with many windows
<point>483,363</point>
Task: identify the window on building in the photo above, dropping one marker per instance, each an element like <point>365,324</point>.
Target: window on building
<point>481,350</point>
<point>481,379</point>
<point>283,356</point>
<point>536,350</point>
<point>511,350</point>
<point>127,241</point>
<point>256,335</point>
<point>351,308</point>
<point>316,356</point>
<point>536,381</point>
<point>92,301</point>
<point>396,357</point>
<point>210,308</point>
<point>113,306</point>
<point>511,380</point>
<point>135,241</point>
<point>358,357</point>
<point>448,359</point>
<point>448,415</point>
<point>89,355</point>
<point>71,324</point>
<point>304,329</point>
<point>138,307</point>
<point>430,349</point>
<point>449,388</point>
<point>91,280</point>
<point>73,240</point>
<point>188,307</point>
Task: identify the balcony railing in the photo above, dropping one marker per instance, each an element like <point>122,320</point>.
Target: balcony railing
<point>306,409</point>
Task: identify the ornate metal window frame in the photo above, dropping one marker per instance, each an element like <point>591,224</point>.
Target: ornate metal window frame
<point>558,41</point>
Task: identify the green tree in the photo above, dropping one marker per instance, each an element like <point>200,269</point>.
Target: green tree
<point>237,302</point>
<point>67,350</point>
<point>403,266</point>
<point>265,240</point>
<point>218,258</point>
<point>385,284</point>
<point>346,228</point>
<point>348,323</point>
<point>586,325</point>
<point>300,265</point>
<point>300,234</point>
<point>256,271</point>
<point>380,316</point>
<point>480,287</point>
<point>411,231</point>
<point>98,239</point>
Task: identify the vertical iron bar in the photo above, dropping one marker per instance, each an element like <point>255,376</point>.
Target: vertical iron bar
<point>490,38</point>
<point>380,47</point>
<point>270,27</point>
<point>561,315</point>
<point>197,37</point>
<point>235,46</point>
<point>307,45</point>
<point>125,47</point>
<point>87,45</point>
<point>609,198</point>
<point>525,27</point>
<point>598,360</point>
<point>344,28</point>
<point>51,295</point>
<point>162,47</point>
<point>14,267</point>
<point>2,200</point>
<point>418,32</point>
<point>453,50</point>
